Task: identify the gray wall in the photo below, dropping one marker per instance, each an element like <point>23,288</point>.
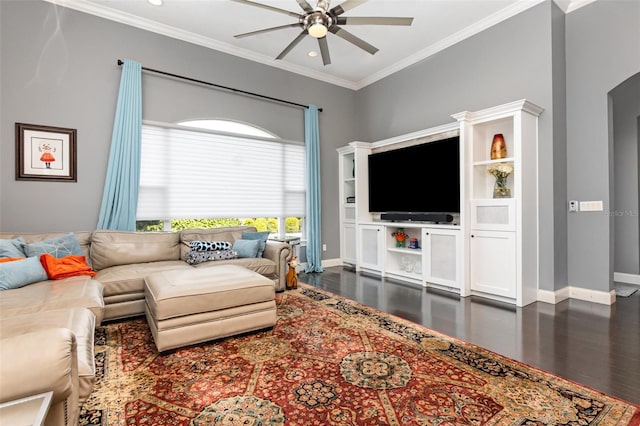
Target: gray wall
<point>58,67</point>
<point>625,100</point>
<point>521,57</point>
<point>603,50</point>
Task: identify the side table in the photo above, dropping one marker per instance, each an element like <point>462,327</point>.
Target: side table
<point>30,411</point>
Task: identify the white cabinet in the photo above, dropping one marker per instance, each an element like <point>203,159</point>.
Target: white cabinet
<point>352,162</point>
<point>492,249</point>
<point>493,263</point>
<point>348,244</point>
<point>370,247</point>
<point>503,232</point>
<point>442,257</point>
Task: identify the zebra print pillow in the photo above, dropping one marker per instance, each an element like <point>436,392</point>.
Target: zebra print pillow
<point>194,257</point>
<point>209,245</point>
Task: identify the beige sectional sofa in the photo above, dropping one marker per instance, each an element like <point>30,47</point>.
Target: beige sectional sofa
<point>46,328</point>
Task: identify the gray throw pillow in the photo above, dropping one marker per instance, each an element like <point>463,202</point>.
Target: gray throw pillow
<point>261,236</point>
<point>57,247</point>
<point>246,248</point>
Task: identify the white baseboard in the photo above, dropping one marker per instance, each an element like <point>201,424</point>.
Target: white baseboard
<point>326,263</point>
<point>621,277</point>
<point>553,297</point>
<point>595,296</point>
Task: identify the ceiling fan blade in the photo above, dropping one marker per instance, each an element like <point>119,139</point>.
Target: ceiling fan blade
<point>292,45</point>
<point>266,30</point>
<point>305,5</point>
<point>346,5</point>
<point>324,50</point>
<point>342,33</point>
<point>373,20</point>
<point>266,6</point>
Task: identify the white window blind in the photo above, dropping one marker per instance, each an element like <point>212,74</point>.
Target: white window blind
<point>189,174</point>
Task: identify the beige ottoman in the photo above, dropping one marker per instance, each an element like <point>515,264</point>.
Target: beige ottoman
<point>185,307</point>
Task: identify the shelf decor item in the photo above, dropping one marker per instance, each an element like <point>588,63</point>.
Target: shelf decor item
<point>498,147</point>
<point>413,243</point>
<point>501,172</point>
<point>400,236</point>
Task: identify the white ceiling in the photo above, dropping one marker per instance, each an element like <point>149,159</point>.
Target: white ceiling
<point>437,24</point>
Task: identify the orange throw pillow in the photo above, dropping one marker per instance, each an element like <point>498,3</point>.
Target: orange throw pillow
<point>10,259</point>
<point>64,267</point>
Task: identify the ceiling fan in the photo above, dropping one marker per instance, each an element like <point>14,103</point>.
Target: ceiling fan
<point>320,20</point>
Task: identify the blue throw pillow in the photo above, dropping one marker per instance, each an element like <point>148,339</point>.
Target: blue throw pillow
<point>57,247</point>
<point>246,248</point>
<point>261,236</point>
<point>19,273</point>
<point>12,248</point>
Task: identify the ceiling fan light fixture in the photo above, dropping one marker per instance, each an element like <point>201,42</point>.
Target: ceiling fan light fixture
<point>317,24</point>
<point>317,30</point>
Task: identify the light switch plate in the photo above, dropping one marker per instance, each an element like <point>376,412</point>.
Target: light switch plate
<point>591,206</point>
<point>573,206</point>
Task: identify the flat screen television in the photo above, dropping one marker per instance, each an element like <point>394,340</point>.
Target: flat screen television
<point>423,178</point>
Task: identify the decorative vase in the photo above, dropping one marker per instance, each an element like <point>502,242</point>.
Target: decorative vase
<point>498,147</point>
<point>500,189</point>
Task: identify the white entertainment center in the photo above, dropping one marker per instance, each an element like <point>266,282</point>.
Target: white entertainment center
<point>490,249</point>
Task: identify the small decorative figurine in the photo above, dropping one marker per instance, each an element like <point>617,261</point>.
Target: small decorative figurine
<point>292,273</point>
<point>400,236</point>
<point>413,243</point>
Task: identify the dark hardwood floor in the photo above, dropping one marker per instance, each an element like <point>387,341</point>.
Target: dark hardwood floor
<point>593,344</point>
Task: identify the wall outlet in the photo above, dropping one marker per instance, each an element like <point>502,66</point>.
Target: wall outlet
<point>324,247</point>
<point>573,206</point>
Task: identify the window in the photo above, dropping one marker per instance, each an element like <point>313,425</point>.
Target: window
<point>189,173</point>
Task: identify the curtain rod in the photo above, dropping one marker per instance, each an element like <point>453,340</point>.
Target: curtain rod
<point>120,62</point>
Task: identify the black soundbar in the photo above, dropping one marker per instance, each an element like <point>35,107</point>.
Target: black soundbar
<point>417,217</point>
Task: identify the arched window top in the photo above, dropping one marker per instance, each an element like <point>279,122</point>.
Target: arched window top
<point>229,126</point>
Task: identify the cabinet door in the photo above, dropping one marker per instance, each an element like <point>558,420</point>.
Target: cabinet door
<point>370,244</point>
<point>442,257</point>
<point>348,252</point>
<point>493,263</point>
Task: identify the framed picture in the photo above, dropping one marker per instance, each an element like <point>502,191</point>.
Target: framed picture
<point>45,153</point>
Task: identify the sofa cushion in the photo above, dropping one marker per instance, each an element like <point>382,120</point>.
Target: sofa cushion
<point>127,279</point>
<point>11,247</point>
<point>20,273</point>
<point>80,321</point>
<point>61,246</point>
<point>113,248</point>
<point>260,265</point>
<point>74,292</point>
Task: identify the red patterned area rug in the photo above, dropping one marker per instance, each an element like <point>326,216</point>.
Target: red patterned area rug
<point>331,361</point>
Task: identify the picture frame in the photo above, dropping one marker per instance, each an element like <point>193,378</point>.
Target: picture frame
<point>45,153</point>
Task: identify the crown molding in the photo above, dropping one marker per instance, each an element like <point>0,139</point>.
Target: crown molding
<point>176,33</point>
<point>569,6</point>
<point>131,20</point>
<point>471,30</point>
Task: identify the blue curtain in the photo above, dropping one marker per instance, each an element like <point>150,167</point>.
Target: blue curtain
<point>314,230</point>
<point>120,195</point>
